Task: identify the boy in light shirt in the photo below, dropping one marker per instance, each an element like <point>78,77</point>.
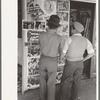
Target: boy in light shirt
<point>74,49</point>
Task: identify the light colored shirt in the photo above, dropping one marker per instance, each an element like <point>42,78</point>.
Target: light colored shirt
<point>75,47</point>
<point>50,43</point>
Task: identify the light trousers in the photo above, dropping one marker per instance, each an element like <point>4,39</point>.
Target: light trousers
<point>48,69</point>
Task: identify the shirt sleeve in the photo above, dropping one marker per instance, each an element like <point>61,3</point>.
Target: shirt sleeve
<point>89,47</point>
<point>66,44</point>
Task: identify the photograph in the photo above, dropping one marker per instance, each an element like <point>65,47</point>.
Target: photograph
<point>49,7</point>
<point>28,25</point>
<point>40,26</point>
<point>57,50</point>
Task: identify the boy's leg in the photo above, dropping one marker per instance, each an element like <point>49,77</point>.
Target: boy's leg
<point>77,80</point>
<point>66,81</point>
<point>43,78</point>
<point>52,72</point>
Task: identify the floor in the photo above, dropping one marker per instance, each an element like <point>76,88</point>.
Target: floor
<point>87,91</point>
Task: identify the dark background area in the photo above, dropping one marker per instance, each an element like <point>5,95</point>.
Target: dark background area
<point>19,19</point>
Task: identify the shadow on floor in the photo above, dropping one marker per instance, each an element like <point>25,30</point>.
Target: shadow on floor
<point>87,91</point>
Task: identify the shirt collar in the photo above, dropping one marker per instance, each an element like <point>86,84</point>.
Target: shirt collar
<point>51,31</point>
<point>77,34</point>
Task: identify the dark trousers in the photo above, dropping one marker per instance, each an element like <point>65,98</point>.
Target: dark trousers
<point>48,69</point>
<point>70,81</point>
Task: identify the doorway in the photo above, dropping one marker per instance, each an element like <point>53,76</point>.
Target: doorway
<point>84,13</point>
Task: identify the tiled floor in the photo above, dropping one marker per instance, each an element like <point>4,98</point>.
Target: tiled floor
<point>87,92</point>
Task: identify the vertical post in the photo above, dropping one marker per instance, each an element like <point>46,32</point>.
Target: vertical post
<point>93,59</point>
<point>25,49</point>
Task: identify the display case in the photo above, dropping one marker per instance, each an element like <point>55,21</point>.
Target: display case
<point>35,14</point>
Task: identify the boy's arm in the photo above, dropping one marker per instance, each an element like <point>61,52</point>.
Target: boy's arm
<point>88,56</point>
<point>90,51</point>
<point>64,46</point>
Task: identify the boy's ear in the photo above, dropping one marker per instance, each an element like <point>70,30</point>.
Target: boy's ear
<point>73,31</point>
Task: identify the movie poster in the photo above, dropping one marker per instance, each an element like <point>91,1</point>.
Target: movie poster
<point>38,12</point>
<point>33,47</point>
<point>34,12</point>
<point>62,5</point>
<point>39,9</point>
<point>63,13</point>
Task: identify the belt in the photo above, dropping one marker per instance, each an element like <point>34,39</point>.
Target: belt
<point>74,58</point>
<point>42,55</point>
